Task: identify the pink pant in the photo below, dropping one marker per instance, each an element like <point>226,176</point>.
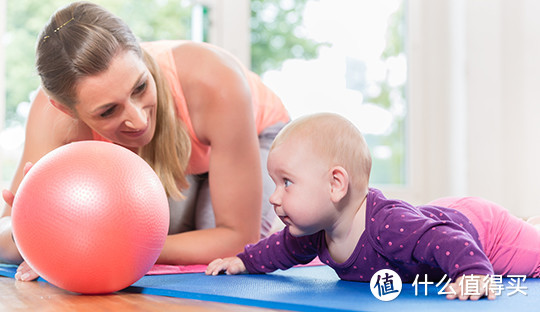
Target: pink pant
<point>511,244</point>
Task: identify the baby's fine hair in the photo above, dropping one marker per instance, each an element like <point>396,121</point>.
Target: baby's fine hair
<point>334,138</point>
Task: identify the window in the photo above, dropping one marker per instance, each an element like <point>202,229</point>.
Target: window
<point>346,56</point>
<point>358,69</point>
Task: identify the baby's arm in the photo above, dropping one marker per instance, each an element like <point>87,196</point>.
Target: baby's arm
<point>231,266</point>
<point>278,251</point>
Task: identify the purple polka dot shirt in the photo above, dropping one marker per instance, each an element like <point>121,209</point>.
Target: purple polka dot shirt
<point>398,236</point>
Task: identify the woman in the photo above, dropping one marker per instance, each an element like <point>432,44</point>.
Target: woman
<point>191,110</point>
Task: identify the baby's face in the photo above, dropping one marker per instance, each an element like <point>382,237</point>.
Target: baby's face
<point>303,183</point>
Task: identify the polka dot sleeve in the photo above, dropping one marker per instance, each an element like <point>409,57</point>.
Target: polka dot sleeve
<point>279,251</point>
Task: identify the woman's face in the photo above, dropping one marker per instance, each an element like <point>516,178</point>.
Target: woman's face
<point>120,104</point>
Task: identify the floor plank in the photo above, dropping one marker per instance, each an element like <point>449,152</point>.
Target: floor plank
<point>41,296</point>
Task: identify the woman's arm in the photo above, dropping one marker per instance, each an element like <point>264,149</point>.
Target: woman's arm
<point>46,129</point>
<point>8,250</point>
<point>220,108</point>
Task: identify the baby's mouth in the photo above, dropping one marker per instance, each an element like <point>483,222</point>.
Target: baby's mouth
<point>286,220</point>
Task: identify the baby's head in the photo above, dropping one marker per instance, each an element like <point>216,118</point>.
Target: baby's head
<point>334,140</point>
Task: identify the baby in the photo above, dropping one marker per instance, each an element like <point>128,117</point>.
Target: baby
<point>321,165</point>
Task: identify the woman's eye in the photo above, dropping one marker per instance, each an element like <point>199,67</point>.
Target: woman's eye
<point>108,112</point>
<point>140,88</point>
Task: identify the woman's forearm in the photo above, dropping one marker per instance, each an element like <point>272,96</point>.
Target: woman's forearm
<point>8,250</point>
<point>202,246</point>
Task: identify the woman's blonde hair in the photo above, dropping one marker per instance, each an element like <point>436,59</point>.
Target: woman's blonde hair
<point>80,40</point>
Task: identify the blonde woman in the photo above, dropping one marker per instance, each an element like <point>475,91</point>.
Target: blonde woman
<point>191,110</point>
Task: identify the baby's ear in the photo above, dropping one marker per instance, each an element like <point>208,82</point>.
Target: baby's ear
<point>339,183</point>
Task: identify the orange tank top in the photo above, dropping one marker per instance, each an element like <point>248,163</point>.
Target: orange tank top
<point>267,107</point>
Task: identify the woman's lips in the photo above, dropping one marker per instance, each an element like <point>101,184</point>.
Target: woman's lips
<point>135,134</point>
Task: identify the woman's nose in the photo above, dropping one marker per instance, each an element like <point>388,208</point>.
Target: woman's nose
<point>135,116</point>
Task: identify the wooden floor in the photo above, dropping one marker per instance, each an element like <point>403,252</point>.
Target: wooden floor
<point>41,296</point>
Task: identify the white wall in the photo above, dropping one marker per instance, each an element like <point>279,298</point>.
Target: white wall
<point>505,79</point>
<point>230,26</point>
<point>3,4</point>
<point>474,101</point>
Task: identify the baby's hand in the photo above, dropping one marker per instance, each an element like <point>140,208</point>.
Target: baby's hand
<point>231,265</point>
<point>480,282</point>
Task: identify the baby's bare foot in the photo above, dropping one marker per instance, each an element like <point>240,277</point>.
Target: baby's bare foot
<point>535,221</point>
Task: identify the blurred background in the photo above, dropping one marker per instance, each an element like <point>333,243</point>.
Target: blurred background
<point>444,91</point>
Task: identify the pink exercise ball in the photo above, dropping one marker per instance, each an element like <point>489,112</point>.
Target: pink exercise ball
<point>90,217</point>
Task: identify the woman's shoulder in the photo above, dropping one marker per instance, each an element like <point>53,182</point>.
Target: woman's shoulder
<point>183,51</point>
<point>194,58</point>
<point>184,47</point>
<point>48,128</point>
<point>203,58</point>
<point>204,68</point>
<point>65,129</point>
<point>158,45</point>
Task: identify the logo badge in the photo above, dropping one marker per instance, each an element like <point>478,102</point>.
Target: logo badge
<point>385,285</point>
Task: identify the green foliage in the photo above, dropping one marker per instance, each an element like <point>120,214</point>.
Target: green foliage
<point>24,21</point>
<point>274,40</point>
<point>153,20</point>
<point>149,20</point>
<point>395,35</point>
<point>391,170</point>
<point>276,34</point>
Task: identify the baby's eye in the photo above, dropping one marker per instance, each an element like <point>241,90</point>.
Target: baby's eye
<point>287,182</point>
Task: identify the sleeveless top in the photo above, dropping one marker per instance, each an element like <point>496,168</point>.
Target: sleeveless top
<point>267,107</point>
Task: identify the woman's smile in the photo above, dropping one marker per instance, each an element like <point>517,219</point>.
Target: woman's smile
<point>136,133</point>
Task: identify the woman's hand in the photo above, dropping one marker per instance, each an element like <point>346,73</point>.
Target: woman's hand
<point>7,194</point>
<point>230,265</point>
<point>481,288</point>
<point>8,197</point>
<point>24,272</point>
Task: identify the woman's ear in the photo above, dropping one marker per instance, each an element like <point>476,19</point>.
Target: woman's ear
<point>63,108</point>
<point>339,183</point>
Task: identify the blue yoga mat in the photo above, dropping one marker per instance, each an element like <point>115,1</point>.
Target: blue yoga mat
<point>318,288</point>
